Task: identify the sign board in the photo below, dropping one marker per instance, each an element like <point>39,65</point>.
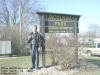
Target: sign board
<point>58,23</point>
<point>5,47</point>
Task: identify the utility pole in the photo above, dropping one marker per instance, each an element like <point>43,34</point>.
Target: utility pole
<point>20,17</point>
<point>20,22</point>
<point>20,27</point>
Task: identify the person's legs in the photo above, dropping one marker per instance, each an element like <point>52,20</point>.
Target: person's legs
<point>37,59</point>
<point>32,53</point>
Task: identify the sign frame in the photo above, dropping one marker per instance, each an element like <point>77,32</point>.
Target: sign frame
<point>66,17</point>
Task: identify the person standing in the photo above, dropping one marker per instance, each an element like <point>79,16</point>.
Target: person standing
<point>35,43</point>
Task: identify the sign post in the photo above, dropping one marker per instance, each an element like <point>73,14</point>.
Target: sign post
<point>58,23</point>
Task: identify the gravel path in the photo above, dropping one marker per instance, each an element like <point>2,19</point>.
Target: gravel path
<point>47,71</point>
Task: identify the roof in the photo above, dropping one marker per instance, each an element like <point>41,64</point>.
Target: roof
<point>58,14</point>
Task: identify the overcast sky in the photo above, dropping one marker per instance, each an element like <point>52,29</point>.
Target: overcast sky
<point>88,9</point>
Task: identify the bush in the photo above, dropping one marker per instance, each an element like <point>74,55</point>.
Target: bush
<point>19,44</point>
<point>62,50</point>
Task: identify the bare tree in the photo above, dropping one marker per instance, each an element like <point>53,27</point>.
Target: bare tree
<point>4,13</point>
<point>9,14</point>
<point>14,13</point>
<point>93,31</point>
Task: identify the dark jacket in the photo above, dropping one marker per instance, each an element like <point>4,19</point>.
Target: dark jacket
<point>35,39</point>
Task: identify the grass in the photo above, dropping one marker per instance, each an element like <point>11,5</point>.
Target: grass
<point>21,61</point>
<point>93,59</point>
<point>89,71</point>
<point>24,61</point>
<point>8,65</point>
<point>13,62</point>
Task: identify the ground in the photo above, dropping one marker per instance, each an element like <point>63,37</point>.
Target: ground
<point>86,66</point>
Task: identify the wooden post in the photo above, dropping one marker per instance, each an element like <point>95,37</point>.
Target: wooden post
<point>42,30</point>
<point>76,41</point>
